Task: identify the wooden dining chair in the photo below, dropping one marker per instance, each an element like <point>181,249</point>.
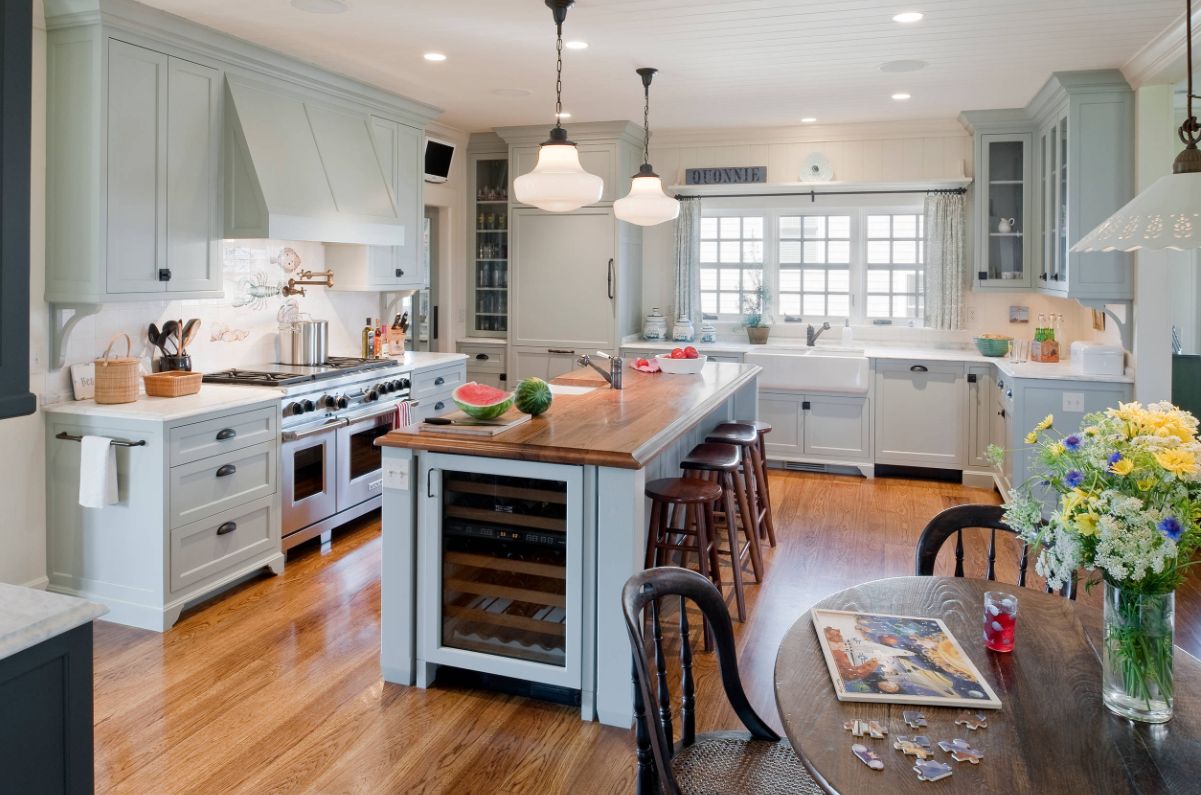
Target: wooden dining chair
<point>755,761</point>
<point>956,519</point>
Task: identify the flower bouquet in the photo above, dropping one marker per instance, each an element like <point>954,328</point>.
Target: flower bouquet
<point>1129,501</point>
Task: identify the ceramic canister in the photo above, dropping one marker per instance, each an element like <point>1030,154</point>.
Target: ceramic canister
<point>654,327</point>
<point>683,330</point>
<point>708,333</point>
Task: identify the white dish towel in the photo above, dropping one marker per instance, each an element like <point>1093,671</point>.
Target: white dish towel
<point>97,472</point>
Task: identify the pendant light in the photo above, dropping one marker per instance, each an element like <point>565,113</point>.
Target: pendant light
<point>558,183</point>
<point>1166,215</point>
<point>646,204</point>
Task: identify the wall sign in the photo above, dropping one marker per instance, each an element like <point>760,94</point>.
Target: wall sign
<point>725,175</point>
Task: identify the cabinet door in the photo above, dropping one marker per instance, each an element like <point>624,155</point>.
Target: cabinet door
<point>193,176</point>
<point>836,427</point>
<point>410,205</point>
<point>137,168</point>
<point>1003,215</point>
<point>919,414</point>
<point>783,411</point>
<point>980,413</point>
<point>564,280</point>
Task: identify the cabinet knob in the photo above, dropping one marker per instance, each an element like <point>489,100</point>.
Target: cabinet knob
<point>983,276</point>
<point>225,434</point>
<point>805,405</point>
<point>226,470</point>
<point>399,272</point>
<point>226,528</point>
<point>971,378</point>
<point>164,274</point>
<point>439,381</point>
<point>439,405</point>
<point>1001,413</point>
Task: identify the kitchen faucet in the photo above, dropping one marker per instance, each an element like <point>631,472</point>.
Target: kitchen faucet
<point>616,366</point>
<point>811,334</point>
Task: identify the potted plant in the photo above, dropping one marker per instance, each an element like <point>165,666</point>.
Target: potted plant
<point>1129,500</point>
<point>755,318</point>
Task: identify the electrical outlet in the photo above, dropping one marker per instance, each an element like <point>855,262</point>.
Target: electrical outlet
<point>1073,402</point>
<point>396,475</point>
<point>971,314</point>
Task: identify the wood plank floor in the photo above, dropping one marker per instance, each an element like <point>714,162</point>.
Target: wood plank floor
<point>275,686</point>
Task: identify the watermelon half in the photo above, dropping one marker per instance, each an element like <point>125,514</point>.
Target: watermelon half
<point>482,402</point>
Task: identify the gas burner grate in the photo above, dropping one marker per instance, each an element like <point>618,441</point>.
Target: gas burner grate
<point>257,377</point>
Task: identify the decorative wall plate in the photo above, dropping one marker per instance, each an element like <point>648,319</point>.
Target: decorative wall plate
<point>817,168</point>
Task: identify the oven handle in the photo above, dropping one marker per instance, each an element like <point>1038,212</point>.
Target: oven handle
<point>295,436</point>
<point>373,415</point>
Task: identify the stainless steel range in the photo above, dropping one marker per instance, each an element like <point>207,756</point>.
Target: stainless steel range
<point>330,416</point>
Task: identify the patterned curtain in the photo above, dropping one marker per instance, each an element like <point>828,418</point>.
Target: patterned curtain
<point>946,264</point>
<point>688,260</point>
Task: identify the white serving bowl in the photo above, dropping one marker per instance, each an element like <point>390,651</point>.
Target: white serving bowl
<point>680,366</point>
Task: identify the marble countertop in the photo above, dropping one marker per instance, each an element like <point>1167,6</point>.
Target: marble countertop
<point>1064,370</point>
<point>29,616</point>
<point>210,398</point>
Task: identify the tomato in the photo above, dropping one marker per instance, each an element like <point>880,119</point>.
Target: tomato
<point>691,353</point>
<point>642,363</point>
<point>678,353</point>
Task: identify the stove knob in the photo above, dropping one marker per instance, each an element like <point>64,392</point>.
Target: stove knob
<point>397,386</point>
<point>328,401</point>
<point>383,387</point>
<point>405,383</point>
<point>309,405</point>
<point>371,395</point>
<point>342,401</point>
<point>292,409</point>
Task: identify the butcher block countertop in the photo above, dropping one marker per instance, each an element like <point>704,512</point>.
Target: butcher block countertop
<point>606,427</point>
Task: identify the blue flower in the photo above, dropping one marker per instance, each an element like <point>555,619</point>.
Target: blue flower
<point>1170,526</point>
<point>1113,459</point>
<point>1072,443</point>
<point>1074,478</point>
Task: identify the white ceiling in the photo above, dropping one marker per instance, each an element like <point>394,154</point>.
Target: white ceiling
<point>722,63</point>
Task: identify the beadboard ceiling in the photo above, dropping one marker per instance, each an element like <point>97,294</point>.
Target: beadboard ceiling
<point>723,63</point>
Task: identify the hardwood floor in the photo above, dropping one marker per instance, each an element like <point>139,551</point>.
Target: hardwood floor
<point>275,686</point>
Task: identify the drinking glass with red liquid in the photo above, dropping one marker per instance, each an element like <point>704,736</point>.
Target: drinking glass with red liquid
<point>1000,620</point>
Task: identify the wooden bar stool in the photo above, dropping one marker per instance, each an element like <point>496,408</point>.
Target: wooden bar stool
<point>750,516</point>
<point>767,524</point>
<point>689,502</point>
<point>720,462</point>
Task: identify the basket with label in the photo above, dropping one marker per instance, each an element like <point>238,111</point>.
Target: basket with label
<point>117,376</point>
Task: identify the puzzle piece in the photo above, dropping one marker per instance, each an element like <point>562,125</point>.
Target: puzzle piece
<point>857,728</point>
<point>930,770</point>
<point>915,720</point>
<point>867,756</point>
<point>918,746</point>
<point>973,721</point>
<point>960,751</point>
<point>876,731</point>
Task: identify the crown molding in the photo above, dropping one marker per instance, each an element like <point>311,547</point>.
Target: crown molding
<point>1161,60</point>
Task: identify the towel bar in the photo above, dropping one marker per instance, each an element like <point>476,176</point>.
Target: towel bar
<point>70,437</point>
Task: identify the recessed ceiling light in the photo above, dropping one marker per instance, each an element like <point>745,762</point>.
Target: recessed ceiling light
<point>900,96</point>
<point>320,6</point>
<point>808,120</point>
<point>908,17</point>
<point>576,45</point>
<point>903,66</point>
<point>434,56</point>
<point>511,92</point>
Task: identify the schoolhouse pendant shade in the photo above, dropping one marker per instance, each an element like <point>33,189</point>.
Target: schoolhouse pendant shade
<point>646,204</point>
<point>558,183</point>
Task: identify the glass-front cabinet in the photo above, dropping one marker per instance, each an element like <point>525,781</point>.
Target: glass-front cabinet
<point>489,247</point>
<point>1053,149</point>
<point>1004,211</point>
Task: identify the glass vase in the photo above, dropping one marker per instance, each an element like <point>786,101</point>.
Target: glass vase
<point>1139,636</point>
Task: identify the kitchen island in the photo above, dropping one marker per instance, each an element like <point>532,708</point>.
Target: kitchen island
<point>506,554</point>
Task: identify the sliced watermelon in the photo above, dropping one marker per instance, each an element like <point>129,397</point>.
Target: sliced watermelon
<point>481,401</point>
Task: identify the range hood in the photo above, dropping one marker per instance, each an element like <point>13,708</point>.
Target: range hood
<point>302,169</point>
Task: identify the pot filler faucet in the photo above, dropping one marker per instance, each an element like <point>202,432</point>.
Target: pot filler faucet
<point>613,374</point>
<point>811,334</point>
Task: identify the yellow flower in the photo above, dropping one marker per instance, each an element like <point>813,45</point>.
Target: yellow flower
<point>1146,484</point>
<point>1032,437</point>
<point>1090,430</point>
<point>1178,462</point>
<point>1086,524</point>
<point>1122,467</point>
<point>1046,423</point>
<point>1057,449</point>
<point>1073,499</point>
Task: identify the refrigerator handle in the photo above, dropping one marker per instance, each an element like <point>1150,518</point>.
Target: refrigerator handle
<point>610,278</point>
<point>434,323</point>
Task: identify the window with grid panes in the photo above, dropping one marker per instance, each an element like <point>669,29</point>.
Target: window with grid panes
<point>814,266</point>
<point>895,260</point>
<point>732,260</point>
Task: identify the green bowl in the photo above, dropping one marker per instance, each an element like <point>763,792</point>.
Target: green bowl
<point>993,347</point>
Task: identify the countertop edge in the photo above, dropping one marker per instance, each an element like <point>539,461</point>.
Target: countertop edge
<point>49,626</point>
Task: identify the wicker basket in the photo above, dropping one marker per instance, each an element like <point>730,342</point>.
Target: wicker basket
<point>117,376</point>
<point>173,383</point>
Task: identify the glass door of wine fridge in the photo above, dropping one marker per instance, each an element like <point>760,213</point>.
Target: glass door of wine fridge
<point>504,539</point>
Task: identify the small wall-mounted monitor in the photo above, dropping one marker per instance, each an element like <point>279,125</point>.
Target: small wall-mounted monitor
<point>438,155</point>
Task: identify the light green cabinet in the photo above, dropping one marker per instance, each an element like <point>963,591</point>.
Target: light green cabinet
<point>142,219</point>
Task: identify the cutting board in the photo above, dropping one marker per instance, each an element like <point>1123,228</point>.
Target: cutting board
<point>510,419</point>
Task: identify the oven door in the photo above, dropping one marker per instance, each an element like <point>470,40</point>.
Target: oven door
<point>309,474</point>
<point>360,462</point>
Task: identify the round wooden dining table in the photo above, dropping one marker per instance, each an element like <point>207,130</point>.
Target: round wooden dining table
<point>1052,733</point>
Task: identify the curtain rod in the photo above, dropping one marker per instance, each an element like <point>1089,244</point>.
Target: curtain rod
<point>813,194</point>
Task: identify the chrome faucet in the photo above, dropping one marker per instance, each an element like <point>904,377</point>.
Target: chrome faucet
<point>613,374</point>
<point>811,334</point>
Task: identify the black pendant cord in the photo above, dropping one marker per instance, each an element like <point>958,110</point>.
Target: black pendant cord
<point>559,10</point>
<point>647,73</point>
<point>1189,161</point>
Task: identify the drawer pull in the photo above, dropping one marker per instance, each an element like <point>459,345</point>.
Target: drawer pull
<point>559,350</point>
<point>439,406</point>
<point>439,381</point>
<point>226,470</point>
<point>225,434</point>
<point>226,528</point>
<point>481,357</point>
<point>919,368</point>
